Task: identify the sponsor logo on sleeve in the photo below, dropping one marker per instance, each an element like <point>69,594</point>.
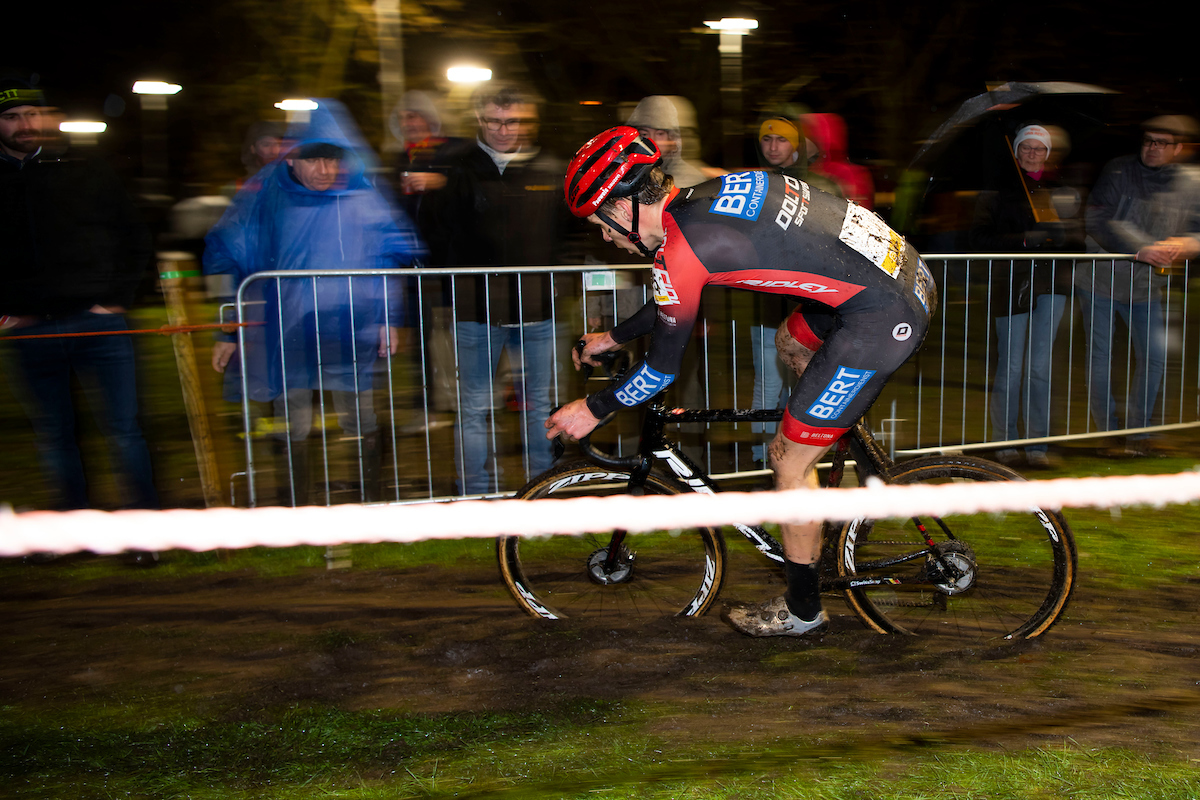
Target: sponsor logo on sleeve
<point>642,385</point>
<point>921,283</point>
<point>794,208</point>
<point>664,292</point>
<point>819,436</point>
<point>742,195</point>
<point>846,384</point>
<point>867,234</point>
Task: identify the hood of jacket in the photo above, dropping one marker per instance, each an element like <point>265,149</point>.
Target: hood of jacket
<point>828,132</point>
<point>328,123</point>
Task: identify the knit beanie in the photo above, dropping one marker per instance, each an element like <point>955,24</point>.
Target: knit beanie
<point>1038,134</point>
<point>779,126</point>
<point>14,92</point>
<point>656,111</point>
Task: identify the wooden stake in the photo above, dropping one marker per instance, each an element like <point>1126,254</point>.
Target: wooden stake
<point>174,269</point>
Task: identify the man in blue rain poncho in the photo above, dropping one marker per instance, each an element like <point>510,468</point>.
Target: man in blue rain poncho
<point>315,208</point>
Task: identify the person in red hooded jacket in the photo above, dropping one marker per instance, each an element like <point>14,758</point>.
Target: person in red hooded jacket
<point>825,136</point>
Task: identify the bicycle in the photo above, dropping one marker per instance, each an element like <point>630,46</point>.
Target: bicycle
<point>1007,577</point>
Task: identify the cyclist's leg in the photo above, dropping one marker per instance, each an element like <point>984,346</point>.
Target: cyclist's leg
<point>841,380</point>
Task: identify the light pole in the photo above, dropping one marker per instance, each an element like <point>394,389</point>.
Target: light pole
<point>153,96</point>
<point>731,30</point>
<point>463,80</point>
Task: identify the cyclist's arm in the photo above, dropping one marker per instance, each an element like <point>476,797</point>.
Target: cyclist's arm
<point>636,326</point>
<point>672,324</point>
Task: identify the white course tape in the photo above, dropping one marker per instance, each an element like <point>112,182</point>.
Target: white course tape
<point>112,532</point>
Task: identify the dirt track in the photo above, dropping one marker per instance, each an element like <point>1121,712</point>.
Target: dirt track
<point>442,640</point>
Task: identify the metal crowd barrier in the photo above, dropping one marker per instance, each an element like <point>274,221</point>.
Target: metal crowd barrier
<point>940,400</point>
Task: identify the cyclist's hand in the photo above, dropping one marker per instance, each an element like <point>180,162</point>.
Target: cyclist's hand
<point>574,419</point>
<point>593,344</point>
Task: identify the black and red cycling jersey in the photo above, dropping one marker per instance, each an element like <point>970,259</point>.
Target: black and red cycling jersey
<point>865,296</point>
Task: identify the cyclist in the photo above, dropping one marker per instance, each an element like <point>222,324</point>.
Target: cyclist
<point>865,298</point>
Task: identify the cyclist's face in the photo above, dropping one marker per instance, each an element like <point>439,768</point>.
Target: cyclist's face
<point>610,234</point>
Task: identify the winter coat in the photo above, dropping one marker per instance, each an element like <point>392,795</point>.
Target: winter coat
<point>72,237</point>
<point>1132,206</point>
<point>828,132</point>
<point>1004,223</point>
<point>511,219</point>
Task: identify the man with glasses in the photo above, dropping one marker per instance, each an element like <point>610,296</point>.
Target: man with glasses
<point>502,207</point>
<point>1145,204</point>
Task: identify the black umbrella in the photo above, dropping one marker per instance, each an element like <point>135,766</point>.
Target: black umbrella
<point>1080,100</point>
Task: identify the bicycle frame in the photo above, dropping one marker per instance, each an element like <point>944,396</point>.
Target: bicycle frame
<point>655,446</point>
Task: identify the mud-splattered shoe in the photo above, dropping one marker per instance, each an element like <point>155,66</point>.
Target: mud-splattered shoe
<point>773,618</point>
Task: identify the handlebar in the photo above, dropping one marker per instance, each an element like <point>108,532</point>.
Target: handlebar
<point>616,364</point>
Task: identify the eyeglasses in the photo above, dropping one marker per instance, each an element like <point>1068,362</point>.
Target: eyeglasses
<point>1036,149</point>
<point>1156,144</point>
<point>494,125</point>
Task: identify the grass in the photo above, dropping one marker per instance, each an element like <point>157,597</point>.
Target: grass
<point>586,750</point>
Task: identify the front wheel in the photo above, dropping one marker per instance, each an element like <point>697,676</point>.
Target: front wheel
<point>614,573</point>
<point>990,575</point>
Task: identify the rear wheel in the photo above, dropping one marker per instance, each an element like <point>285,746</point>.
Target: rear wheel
<point>612,573</point>
<point>991,575</point>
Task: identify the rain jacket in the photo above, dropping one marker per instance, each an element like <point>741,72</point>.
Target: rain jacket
<point>828,132</point>
<point>275,223</point>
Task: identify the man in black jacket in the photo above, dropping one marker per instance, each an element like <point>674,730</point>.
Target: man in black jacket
<point>74,251</point>
<point>502,206</point>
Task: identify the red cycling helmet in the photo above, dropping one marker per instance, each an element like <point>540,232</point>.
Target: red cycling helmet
<point>614,164</point>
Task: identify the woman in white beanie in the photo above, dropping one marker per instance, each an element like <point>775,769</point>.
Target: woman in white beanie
<point>1029,296</point>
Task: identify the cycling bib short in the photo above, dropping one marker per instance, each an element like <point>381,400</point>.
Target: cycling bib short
<point>865,296</point>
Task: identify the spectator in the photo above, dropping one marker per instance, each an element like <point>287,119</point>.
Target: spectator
<point>656,118</point>
<point>1027,298</point>
<point>423,166</point>
<point>779,141</point>
<point>826,140</point>
<point>780,144</point>
<point>315,209</point>
<point>1147,205</point>
<point>263,143</point>
<point>75,250</point>
<point>502,206</point>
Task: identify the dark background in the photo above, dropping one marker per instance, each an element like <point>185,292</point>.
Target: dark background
<point>893,70</point>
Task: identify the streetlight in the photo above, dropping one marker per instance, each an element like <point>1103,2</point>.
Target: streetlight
<point>732,29</point>
<point>297,109</point>
<point>465,74</point>
<point>297,104</point>
<point>463,80</point>
<point>82,132</point>
<point>83,127</point>
<point>153,95</point>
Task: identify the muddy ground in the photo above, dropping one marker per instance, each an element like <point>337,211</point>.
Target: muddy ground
<point>1116,671</point>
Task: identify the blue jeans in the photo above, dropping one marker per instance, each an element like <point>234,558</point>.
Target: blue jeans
<point>770,382</point>
<point>105,367</point>
<point>1008,388</point>
<point>1148,333</point>
<point>531,354</point>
